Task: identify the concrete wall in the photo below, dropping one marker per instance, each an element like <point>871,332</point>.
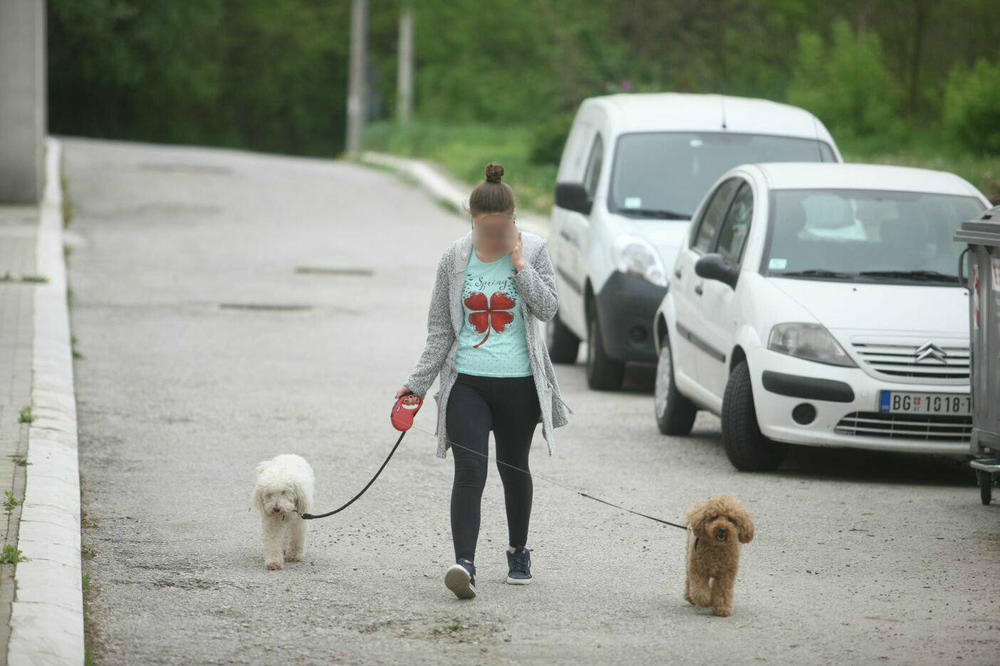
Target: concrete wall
<point>23,109</point>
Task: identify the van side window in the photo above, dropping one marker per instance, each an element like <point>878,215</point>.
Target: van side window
<point>711,219</point>
<point>736,226</point>
<point>593,171</point>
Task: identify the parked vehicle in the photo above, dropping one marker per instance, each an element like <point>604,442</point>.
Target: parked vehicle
<point>819,304</point>
<point>632,171</point>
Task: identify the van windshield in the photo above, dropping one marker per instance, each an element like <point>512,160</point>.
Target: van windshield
<point>665,174</point>
<point>866,235</point>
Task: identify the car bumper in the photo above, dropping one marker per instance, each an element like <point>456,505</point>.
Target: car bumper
<point>846,404</point>
<point>625,308</point>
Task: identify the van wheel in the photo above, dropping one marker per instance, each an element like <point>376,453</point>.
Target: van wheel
<point>985,480</point>
<point>746,447</point>
<point>674,413</point>
<point>603,373</point>
<point>563,345</point>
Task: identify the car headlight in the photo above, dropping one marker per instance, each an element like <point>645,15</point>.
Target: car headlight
<point>634,255</point>
<point>809,341</point>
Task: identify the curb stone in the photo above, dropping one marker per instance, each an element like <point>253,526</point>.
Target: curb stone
<point>46,623</point>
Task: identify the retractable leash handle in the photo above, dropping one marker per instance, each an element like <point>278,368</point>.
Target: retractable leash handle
<point>403,411</point>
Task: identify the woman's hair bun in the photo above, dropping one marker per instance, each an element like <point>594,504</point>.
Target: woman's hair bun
<point>493,172</point>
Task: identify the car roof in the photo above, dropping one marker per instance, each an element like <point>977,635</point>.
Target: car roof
<point>639,112</point>
<point>833,175</point>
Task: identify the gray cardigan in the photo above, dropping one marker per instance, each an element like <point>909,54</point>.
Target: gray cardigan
<point>539,302</point>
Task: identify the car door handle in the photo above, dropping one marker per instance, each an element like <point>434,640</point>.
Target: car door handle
<point>698,290</point>
<point>564,234</point>
<point>677,273</point>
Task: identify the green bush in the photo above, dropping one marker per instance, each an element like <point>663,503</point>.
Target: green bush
<point>549,137</point>
<point>972,106</point>
<point>847,85</point>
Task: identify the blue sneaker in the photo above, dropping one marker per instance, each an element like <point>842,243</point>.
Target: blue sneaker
<point>519,566</point>
<point>461,579</point>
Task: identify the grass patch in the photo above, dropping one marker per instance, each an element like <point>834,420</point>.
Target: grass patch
<point>90,591</point>
<point>926,148</point>
<point>464,149</point>
<point>7,277</point>
<point>25,415</point>
<point>72,346</point>
<point>20,461</point>
<point>11,555</point>
<point>67,203</point>
<point>10,502</point>
<point>450,627</point>
<point>87,551</point>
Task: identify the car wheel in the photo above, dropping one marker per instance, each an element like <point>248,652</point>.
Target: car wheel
<point>603,373</point>
<point>563,345</point>
<point>985,480</point>
<point>746,447</point>
<point>674,413</point>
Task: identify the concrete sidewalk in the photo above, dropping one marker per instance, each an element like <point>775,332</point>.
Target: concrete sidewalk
<point>444,187</point>
<point>41,598</point>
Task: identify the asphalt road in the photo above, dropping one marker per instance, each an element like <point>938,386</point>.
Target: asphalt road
<point>186,383</point>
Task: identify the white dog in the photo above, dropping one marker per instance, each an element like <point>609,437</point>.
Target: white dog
<point>284,490</point>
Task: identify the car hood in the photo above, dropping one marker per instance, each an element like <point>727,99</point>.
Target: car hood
<point>892,308</point>
<point>664,235</point>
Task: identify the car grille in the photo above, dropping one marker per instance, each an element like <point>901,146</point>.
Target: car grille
<point>945,362</point>
<point>928,427</point>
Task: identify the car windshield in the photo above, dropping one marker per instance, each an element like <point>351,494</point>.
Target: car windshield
<point>866,235</point>
<point>665,174</point>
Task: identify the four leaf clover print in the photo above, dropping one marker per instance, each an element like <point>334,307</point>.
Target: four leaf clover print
<point>493,315</point>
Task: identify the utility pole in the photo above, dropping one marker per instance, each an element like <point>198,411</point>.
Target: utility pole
<point>357,88</point>
<point>404,81</point>
<point>23,115</point>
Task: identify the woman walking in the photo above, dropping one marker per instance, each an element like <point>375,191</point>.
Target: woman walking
<point>494,286</point>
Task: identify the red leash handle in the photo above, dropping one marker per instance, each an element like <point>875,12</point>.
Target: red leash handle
<point>404,410</point>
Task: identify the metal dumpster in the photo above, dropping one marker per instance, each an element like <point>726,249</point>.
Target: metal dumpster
<point>982,236</point>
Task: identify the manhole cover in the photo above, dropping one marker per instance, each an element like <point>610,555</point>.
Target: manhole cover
<point>278,307</point>
<point>184,167</point>
<point>330,270</point>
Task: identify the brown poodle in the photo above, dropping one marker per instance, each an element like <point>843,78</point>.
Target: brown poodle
<point>718,526</point>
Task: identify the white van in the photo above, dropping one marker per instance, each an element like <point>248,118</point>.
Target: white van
<point>633,170</point>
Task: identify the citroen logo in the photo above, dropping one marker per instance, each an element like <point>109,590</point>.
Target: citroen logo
<point>932,351</point>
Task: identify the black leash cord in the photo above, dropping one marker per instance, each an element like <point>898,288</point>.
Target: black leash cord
<point>311,516</point>
<point>559,483</point>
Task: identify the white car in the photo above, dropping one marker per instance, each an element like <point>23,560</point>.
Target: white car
<point>632,171</point>
<point>820,304</point>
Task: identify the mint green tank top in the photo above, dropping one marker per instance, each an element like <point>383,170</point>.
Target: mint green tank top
<point>492,339</point>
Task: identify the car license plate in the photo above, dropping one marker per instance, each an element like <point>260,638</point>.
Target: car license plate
<point>900,402</point>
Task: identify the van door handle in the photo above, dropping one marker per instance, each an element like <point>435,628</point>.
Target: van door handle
<point>564,234</point>
<point>677,273</point>
<point>698,289</point>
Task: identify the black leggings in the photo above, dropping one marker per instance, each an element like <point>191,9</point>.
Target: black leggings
<point>509,407</point>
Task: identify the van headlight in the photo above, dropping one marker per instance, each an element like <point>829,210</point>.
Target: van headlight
<point>809,341</point>
<point>635,256</point>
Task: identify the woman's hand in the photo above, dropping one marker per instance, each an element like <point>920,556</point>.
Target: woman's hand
<point>401,391</point>
<point>517,255</point>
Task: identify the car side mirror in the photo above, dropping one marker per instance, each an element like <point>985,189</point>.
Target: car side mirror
<point>714,267</point>
<point>573,196</point>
